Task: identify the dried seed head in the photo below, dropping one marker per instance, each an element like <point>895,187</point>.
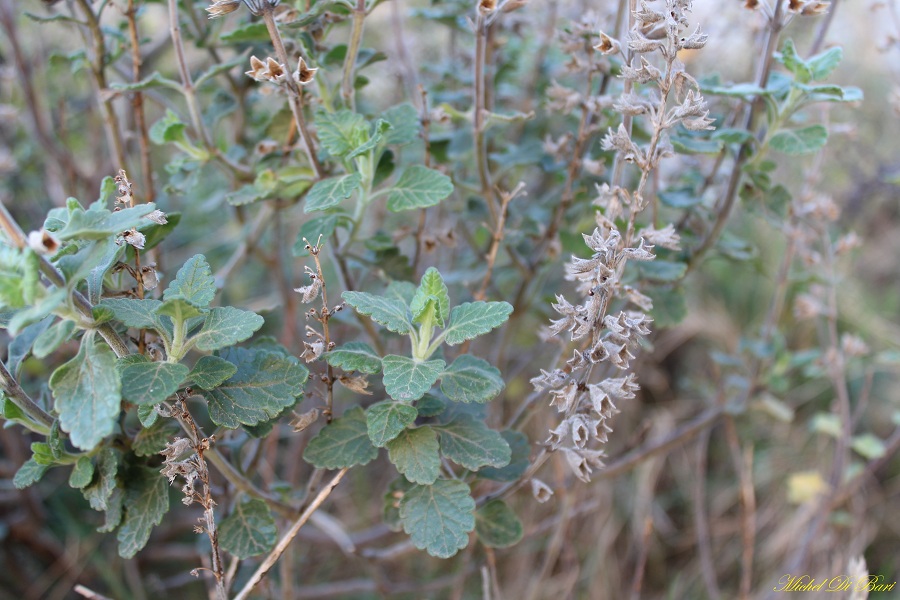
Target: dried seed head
<point>220,8</point>
<point>134,238</point>
<point>305,420</point>
<point>608,45</point>
<point>486,7</point>
<point>357,383</point>
<point>540,490</point>
<point>304,75</point>
<point>43,242</point>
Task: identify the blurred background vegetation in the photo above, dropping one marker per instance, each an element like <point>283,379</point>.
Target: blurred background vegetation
<point>653,528</point>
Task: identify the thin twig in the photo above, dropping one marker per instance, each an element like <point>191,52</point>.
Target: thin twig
<point>497,238</point>
<point>701,519</point>
<point>295,92</point>
<point>289,536</point>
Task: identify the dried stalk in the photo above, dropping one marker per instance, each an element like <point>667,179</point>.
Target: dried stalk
<point>285,541</point>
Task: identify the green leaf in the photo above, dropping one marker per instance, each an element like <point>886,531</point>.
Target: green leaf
<point>744,91</point>
<point>826,423</point>
<point>248,32</point>
<point>168,129</point>
<point>140,314</point>
<point>342,443</point>
<point>28,474</point>
<point>226,326</point>
<point>418,187</point>
<point>471,379</point>
<point>354,356</point>
<point>23,344</point>
<point>150,441</point>
<point>114,510</point>
<point>868,446</point>
<point>179,310</point>
<point>263,385</point>
<point>147,414</point>
<point>431,288</point>
<point>151,382</point>
<point>407,380</point>
<point>210,371</point>
<point>99,223</point>
<point>262,187</point>
<point>472,444</point>
<point>401,290</point>
<point>248,531</point>
<point>693,145</point>
<point>497,525</point>
<point>47,342</point>
<point>518,462</point>
<point>404,122</point>
<point>391,313</point>
<point>415,453</point>
<point>341,132</point>
<point>471,319</point>
<point>375,138</point>
<point>732,135</point>
<point>330,192</point>
<point>87,390</point>
<point>82,473</point>
<point>799,141</point>
<point>146,502</point>
<point>438,517</point>
<point>100,490</point>
<point>154,80</point>
<point>193,283</point>
<point>385,420</point>
<point>669,307</point>
<point>430,406</point>
<point>793,63</point>
<point>821,65</point>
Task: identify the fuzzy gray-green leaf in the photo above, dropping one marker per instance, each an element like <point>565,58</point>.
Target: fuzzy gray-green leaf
<point>431,288</point>
<point>385,420</point>
<point>263,385</point>
<point>140,314</point>
<point>438,517</point>
<point>354,356</point>
<point>151,382</point>
<point>471,319</point>
<point>407,380</point>
<point>799,141</point>
<point>390,312</point>
<point>146,502</point>
<point>88,394</point>
<point>330,192</point>
<point>211,371</point>
<point>418,187</point>
<point>82,472</point>
<point>471,379</point>
<point>415,453</point>
<point>248,531</point>
<point>342,443</point>
<point>226,326</point>
<point>497,525</point>
<point>472,444</point>
<point>193,283</point>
